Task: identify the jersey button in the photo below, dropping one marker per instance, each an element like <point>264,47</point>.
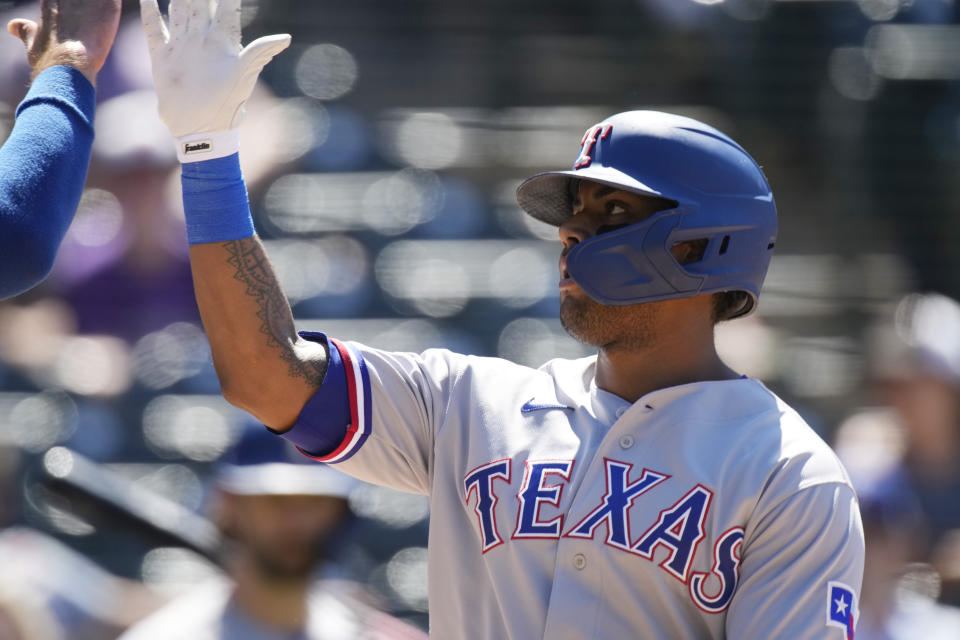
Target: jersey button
<point>579,561</point>
<point>626,442</point>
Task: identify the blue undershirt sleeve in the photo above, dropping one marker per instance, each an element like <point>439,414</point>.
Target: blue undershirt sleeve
<point>43,167</point>
<point>322,424</point>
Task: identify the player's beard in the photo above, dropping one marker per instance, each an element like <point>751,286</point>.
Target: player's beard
<point>609,327</point>
<point>289,562</point>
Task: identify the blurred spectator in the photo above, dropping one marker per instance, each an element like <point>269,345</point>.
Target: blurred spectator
<point>281,517</point>
<point>22,620</point>
<point>914,443</point>
<point>898,600</point>
<point>59,594</point>
<point>916,372</point>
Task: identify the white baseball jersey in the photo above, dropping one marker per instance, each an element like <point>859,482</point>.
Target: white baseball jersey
<point>336,610</point>
<point>559,510</point>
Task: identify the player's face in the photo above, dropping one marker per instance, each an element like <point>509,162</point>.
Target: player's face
<point>598,208</point>
<point>285,536</point>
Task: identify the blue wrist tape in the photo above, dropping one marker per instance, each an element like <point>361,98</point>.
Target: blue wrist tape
<point>215,201</point>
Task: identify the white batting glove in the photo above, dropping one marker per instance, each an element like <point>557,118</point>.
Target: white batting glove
<point>202,75</point>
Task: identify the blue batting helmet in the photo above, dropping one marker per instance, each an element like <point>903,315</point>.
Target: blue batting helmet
<point>262,463</point>
<point>719,193</point>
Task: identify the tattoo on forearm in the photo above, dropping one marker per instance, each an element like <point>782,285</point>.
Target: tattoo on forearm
<point>254,270</point>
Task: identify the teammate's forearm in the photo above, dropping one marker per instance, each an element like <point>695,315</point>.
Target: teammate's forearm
<point>43,167</point>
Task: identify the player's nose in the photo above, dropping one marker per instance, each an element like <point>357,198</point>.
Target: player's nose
<point>573,231</point>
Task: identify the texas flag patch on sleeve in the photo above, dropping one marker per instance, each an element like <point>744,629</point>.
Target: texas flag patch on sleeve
<point>841,608</point>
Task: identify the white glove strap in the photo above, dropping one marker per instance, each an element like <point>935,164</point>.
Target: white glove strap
<point>208,145</point>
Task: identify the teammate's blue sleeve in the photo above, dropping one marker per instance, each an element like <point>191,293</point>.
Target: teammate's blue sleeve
<point>43,167</point>
<point>326,427</point>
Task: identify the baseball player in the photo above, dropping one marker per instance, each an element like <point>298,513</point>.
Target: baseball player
<point>647,492</point>
<point>43,164</point>
<point>282,518</point>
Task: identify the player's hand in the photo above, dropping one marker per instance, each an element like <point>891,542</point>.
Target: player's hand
<point>78,33</point>
<point>202,75</point>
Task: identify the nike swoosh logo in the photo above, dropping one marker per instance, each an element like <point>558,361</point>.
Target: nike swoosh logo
<point>532,405</point>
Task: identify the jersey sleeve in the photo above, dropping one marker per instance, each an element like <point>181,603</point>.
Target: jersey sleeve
<point>43,167</point>
<point>377,412</point>
<point>801,568</point>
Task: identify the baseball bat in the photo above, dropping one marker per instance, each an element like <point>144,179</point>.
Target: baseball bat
<point>104,498</point>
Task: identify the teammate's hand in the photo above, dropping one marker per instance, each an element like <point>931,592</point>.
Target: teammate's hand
<point>78,33</point>
<point>202,76</point>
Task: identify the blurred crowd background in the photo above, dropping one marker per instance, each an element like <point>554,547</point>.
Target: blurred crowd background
<point>382,152</point>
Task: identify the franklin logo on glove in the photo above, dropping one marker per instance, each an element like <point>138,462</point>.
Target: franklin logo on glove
<point>197,147</point>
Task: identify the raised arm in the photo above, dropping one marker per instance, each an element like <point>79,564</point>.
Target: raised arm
<point>263,365</point>
<point>203,79</point>
<point>43,164</point>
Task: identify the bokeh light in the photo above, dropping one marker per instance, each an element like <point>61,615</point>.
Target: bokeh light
<point>392,508</point>
<point>389,203</point>
<point>915,52</point>
<point>326,71</point>
<point>397,203</point>
<point>94,365</point>
<point>197,427</point>
<point>163,358</point>
<point>98,220</point>
<point>852,75</point>
<point>302,124</point>
<point>438,276</point>
<point>427,140</point>
<point>881,10</point>
<point>407,576</point>
<point>332,265</point>
<point>520,277</point>
<point>36,421</point>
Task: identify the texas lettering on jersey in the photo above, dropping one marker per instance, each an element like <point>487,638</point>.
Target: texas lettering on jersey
<point>678,528</point>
